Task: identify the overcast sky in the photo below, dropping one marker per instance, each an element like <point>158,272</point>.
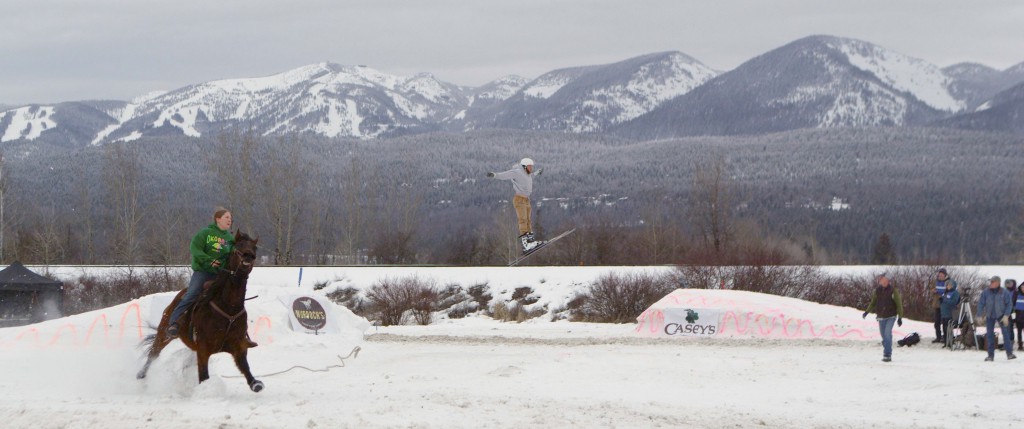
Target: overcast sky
<point>63,50</point>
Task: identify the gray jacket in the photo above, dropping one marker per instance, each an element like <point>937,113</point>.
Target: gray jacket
<point>522,183</point>
<point>996,304</point>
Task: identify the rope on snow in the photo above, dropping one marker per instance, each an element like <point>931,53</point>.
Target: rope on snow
<point>352,354</point>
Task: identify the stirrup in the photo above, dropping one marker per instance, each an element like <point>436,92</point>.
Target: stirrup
<point>172,331</point>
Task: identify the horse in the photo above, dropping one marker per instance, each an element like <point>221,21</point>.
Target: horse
<point>217,321</point>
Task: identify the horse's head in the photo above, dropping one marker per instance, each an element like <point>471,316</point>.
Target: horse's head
<point>243,254</point>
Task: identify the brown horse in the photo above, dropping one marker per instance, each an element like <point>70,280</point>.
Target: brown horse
<point>217,323</point>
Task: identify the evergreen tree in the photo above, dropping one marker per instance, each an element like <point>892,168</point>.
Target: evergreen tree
<point>883,253</point>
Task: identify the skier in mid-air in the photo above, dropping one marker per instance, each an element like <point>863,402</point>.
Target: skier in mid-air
<point>522,183</point>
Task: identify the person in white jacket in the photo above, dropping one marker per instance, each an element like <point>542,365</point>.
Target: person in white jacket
<point>522,184</point>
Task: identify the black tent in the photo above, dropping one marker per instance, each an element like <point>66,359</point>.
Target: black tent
<point>27,297</point>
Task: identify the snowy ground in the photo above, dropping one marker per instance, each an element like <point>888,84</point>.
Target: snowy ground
<point>477,372</point>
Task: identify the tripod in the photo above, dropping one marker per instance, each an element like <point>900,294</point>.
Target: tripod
<point>960,331</point>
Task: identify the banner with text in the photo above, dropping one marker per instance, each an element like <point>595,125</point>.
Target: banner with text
<point>310,314</point>
<point>693,322</point>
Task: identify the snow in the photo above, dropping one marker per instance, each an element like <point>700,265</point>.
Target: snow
<point>182,117</point>
<point>135,135</point>
<point>501,89</point>
<point>426,86</point>
<point>340,120</point>
<point>984,106</point>
<point>546,86</point>
<point>924,81</point>
<point>125,115</point>
<point>478,372</point>
<point>28,123</point>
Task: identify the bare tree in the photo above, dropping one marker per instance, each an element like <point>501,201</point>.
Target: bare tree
<point>282,183</point>
<point>321,216</point>
<point>84,214</point>
<point>711,200</point>
<point>233,161</point>
<point>166,234</point>
<point>122,169</point>
<point>398,225</point>
<point>3,195</point>
<point>48,248</point>
<point>356,188</point>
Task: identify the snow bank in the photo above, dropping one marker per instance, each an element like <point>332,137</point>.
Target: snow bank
<point>116,333</point>
<point>756,315</point>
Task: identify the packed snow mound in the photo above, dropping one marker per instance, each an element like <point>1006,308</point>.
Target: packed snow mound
<point>284,342</point>
<point>730,313</point>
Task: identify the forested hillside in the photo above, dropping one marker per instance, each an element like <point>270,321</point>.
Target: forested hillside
<point>821,196</point>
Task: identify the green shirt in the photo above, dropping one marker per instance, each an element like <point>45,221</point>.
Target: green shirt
<point>211,244</point>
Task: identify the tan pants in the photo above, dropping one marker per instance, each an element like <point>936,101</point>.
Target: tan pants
<point>522,205</point>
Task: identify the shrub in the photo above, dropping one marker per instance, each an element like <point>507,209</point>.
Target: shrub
<point>515,312</point>
<point>480,294</point>
<point>349,298</point>
<point>456,302</point>
<point>389,299</point>
<point>90,292</point>
<point>781,280</point>
<point>424,301</point>
<point>617,298</point>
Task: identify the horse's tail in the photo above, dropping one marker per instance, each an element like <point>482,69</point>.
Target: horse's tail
<point>148,341</point>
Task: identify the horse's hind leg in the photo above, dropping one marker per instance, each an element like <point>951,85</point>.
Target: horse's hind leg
<point>242,362</point>
<point>160,339</point>
<point>159,342</point>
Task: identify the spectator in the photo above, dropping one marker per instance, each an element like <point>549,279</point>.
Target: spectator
<point>888,309</point>
<point>994,307</point>
<point>1011,286</point>
<point>941,283</point>
<point>949,299</point>
<point>1018,317</point>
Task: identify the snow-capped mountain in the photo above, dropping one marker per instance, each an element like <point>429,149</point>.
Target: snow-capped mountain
<point>818,81</point>
<point>62,124</point>
<point>496,91</point>
<point>326,99</point>
<point>977,83</point>
<point>1003,112</point>
<point>592,98</point>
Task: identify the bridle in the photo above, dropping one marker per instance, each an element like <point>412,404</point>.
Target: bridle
<point>246,262</point>
<point>239,273</point>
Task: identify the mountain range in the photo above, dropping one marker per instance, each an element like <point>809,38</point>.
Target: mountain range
<point>813,82</point>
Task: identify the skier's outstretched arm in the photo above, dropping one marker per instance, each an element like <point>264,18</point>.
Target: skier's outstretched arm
<point>504,175</point>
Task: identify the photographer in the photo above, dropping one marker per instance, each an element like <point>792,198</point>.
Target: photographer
<point>948,302</point>
<point>942,284</point>
<point>994,307</point>
<point>1018,316</point>
<point>1011,286</point>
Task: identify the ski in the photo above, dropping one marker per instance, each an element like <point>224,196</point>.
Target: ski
<point>540,246</point>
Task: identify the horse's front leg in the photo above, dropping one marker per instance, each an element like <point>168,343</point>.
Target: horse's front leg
<point>242,362</point>
<point>203,363</point>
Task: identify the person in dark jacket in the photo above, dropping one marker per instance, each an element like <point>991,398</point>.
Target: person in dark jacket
<point>947,305</point>
<point>1011,286</point>
<point>1018,316</point>
<point>994,308</point>
<point>942,282</point>
<point>888,308</point>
